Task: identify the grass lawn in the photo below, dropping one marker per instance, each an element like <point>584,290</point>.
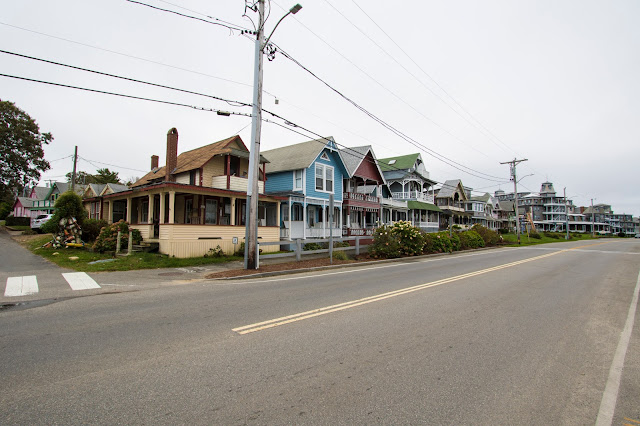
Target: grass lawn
<point>512,239</point>
<point>121,263</point>
<point>19,228</point>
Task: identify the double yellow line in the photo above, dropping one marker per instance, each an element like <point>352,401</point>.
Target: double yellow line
<point>251,328</point>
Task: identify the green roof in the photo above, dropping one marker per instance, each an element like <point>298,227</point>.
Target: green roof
<point>402,162</point>
<point>419,205</point>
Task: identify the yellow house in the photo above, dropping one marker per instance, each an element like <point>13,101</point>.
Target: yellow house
<point>197,201</point>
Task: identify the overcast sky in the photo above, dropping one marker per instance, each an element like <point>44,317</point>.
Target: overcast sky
<point>470,84</point>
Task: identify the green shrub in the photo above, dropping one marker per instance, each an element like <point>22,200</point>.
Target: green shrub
<point>312,246</point>
<point>50,227</point>
<point>622,234</point>
<point>456,244</point>
<point>5,209</point>
<point>91,229</point>
<point>490,237</point>
<point>470,240</point>
<point>385,243</point>
<point>214,252</point>
<point>503,231</point>
<point>106,241</point>
<point>340,255</point>
<point>553,235</point>
<point>535,235</point>
<point>18,221</point>
<point>437,243</point>
<point>69,205</point>
<point>240,251</point>
<point>341,244</point>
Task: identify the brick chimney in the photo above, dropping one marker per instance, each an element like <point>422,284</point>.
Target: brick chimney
<point>172,154</point>
<point>154,162</point>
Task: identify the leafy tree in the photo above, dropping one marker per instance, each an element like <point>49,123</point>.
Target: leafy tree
<point>21,150</point>
<point>102,176</point>
<point>106,176</point>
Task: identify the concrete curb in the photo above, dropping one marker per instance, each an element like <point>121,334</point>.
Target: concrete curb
<point>349,265</point>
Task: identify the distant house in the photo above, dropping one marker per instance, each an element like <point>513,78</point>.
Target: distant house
<point>304,176</point>
<point>410,195</point>
<point>362,191</point>
<point>452,198</point>
<point>197,201</point>
<point>34,204</point>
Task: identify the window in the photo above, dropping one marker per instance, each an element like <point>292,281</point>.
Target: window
<point>324,178</point>
<point>297,179</point>
<point>144,211</point>
<point>188,210</point>
<point>192,177</point>
<point>211,212</point>
<point>324,156</point>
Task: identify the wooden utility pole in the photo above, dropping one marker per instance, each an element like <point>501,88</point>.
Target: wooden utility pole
<point>73,175</point>
<point>512,165</point>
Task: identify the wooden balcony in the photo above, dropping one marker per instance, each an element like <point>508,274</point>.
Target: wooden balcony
<point>234,183</point>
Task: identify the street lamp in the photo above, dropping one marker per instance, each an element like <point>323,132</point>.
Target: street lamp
<point>251,231</point>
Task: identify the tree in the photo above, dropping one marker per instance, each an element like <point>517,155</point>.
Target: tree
<point>103,176</point>
<point>106,176</point>
<point>21,150</point>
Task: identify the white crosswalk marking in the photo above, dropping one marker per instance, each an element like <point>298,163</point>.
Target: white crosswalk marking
<point>80,281</point>
<point>21,286</point>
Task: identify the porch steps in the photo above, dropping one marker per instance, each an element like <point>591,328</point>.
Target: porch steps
<point>146,247</point>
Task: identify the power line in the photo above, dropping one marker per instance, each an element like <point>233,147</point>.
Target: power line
<point>107,164</point>
<point>231,27</point>
<point>133,57</point>
<point>126,96</point>
<point>230,102</point>
<point>429,151</point>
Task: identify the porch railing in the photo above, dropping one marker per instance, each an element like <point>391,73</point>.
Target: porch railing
<point>413,195</point>
<point>361,197</point>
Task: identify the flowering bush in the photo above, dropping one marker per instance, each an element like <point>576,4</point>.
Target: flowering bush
<point>385,243</point>
<point>409,237</point>
<point>106,241</point>
<point>470,240</point>
<point>438,243</point>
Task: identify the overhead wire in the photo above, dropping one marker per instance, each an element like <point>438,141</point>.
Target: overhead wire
<point>394,130</point>
<point>135,57</point>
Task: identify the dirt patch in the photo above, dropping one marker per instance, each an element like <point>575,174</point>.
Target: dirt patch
<point>24,240</point>
<point>288,266</point>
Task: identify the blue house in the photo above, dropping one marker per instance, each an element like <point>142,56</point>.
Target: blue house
<point>303,176</point>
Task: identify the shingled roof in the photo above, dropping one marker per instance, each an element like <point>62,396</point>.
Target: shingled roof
<point>403,162</point>
<point>295,157</point>
<point>197,158</point>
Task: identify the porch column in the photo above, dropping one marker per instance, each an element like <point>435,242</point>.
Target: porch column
<point>172,205</point>
<point>110,211</point>
<point>324,219</point>
<point>162,208</point>
<point>150,215</point>
<point>290,220</point>
<point>129,203</point>
<point>304,219</point>
<point>232,220</point>
<point>340,219</point>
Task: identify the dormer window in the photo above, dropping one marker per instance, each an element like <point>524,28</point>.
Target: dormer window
<point>392,162</point>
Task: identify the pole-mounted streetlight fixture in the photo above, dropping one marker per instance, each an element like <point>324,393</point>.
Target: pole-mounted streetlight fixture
<point>251,231</point>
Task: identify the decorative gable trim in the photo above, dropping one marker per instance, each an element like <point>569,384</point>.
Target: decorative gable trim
<point>325,157</point>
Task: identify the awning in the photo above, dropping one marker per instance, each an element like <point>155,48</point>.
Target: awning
<point>419,205</point>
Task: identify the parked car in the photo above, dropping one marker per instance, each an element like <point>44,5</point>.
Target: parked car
<point>37,221</point>
<point>637,235</point>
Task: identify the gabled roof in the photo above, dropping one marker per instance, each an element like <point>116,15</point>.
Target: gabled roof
<point>64,187</point>
<point>41,192</point>
<point>196,158</point>
<point>403,162</point>
<point>296,157</point>
<point>506,206</point>
<point>24,201</point>
<point>449,188</point>
<point>93,190</point>
<point>484,198</point>
<point>112,188</point>
<point>419,205</point>
<point>353,157</point>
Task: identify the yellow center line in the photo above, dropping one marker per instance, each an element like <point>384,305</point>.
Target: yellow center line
<point>631,420</point>
<point>251,328</point>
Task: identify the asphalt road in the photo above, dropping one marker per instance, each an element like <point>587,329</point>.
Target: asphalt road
<point>508,336</point>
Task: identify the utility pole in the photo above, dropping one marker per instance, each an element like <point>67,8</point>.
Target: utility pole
<point>73,175</point>
<point>593,221</point>
<point>251,231</point>
<point>566,213</point>
<point>512,167</point>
